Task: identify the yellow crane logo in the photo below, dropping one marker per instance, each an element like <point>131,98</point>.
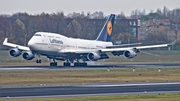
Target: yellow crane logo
<point>109,28</point>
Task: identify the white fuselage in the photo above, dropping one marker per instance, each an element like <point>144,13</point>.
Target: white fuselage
<point>50,43</point>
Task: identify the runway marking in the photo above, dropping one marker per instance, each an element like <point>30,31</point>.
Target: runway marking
<point>144,84</point>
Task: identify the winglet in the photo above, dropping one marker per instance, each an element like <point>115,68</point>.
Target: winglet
<point>173,42</point>
<point>5,41</point>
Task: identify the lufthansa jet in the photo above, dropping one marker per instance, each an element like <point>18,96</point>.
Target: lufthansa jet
<point>71,50</point>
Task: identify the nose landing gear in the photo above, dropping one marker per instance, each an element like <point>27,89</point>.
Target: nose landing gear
<point>38,60</point>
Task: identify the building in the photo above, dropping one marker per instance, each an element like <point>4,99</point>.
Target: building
<point>130,23</point>
<point>156,29</point>
<point>155,26</point>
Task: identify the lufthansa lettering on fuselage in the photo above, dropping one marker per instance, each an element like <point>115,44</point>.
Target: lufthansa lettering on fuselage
<point>56,41</point>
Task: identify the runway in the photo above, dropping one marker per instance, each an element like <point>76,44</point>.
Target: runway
<point>99,66</point>
<point>91,89</point>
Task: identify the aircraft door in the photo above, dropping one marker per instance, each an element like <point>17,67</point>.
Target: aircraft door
<point>46,41</point>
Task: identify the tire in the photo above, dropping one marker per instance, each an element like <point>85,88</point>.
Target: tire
<point>39,61</point>
<point>67,64</point>
<point>83,64</point>
<point>53,64</point>
<point>76,64</point>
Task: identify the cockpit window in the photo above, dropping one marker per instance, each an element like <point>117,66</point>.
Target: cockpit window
<point>37,34</point>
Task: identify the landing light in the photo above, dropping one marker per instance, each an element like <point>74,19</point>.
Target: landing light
<point>73,52</point>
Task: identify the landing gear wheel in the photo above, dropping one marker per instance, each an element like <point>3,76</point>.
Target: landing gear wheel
<point>53,64</point>
<point>38,61</point>
<point>84,64</point>
<point>76,64</point>
<point>67,64</point>
<point>80,64</point>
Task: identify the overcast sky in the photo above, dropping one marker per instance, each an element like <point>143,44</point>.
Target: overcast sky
<point>70,6</point>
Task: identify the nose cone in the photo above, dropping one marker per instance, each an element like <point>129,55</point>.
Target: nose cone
<point>31,44</point>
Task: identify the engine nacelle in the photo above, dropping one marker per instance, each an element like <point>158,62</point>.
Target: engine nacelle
<point>28,55</point>
<point>15,52</point>
<point>93,56</point>
<point>130,54</point>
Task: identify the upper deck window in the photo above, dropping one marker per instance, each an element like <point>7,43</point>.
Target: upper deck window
<point>37,34</point>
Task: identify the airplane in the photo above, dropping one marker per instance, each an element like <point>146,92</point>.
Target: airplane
<point>72,50</point>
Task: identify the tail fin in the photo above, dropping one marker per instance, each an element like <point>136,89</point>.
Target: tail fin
<point>105,34</point>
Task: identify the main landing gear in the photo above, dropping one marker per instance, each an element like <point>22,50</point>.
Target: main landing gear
<point>67,63</point>
<point>80,64</point>
<point>53,63</point>
<point>76,64</point>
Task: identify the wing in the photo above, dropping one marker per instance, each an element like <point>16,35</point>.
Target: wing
<point>82,51</point>
<point>122,45</point>
<point>14,45</point>
<point>113,49</point>
<point>136,48</point>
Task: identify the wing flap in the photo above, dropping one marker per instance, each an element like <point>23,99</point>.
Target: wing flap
<point>122,45</point>
<point>77,51</point>
<point>15,45</point>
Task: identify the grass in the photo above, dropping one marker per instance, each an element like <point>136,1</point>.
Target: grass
<point>93,75</point>
<point>163,97</point>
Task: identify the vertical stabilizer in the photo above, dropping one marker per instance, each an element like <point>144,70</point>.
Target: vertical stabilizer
<point>105,34</point>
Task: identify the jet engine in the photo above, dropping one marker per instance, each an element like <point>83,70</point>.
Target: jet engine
<point>15,52</point>
<point>130,54</point>
<point>28,55</point>
<point>93,56</point>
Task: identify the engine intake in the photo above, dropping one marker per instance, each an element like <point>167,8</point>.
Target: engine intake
<point>93,56</point>
<point>28,55</point>
<point>15,52</point>
<point>129,54</point>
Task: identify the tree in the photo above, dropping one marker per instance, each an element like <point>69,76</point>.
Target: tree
<point>4,26</point>
<point>126,38</point>
<point>165,11</point>
<point>17,33</point>
<point>155,38</point>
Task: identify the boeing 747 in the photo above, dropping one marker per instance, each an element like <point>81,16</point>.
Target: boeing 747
<point>71,50</point>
